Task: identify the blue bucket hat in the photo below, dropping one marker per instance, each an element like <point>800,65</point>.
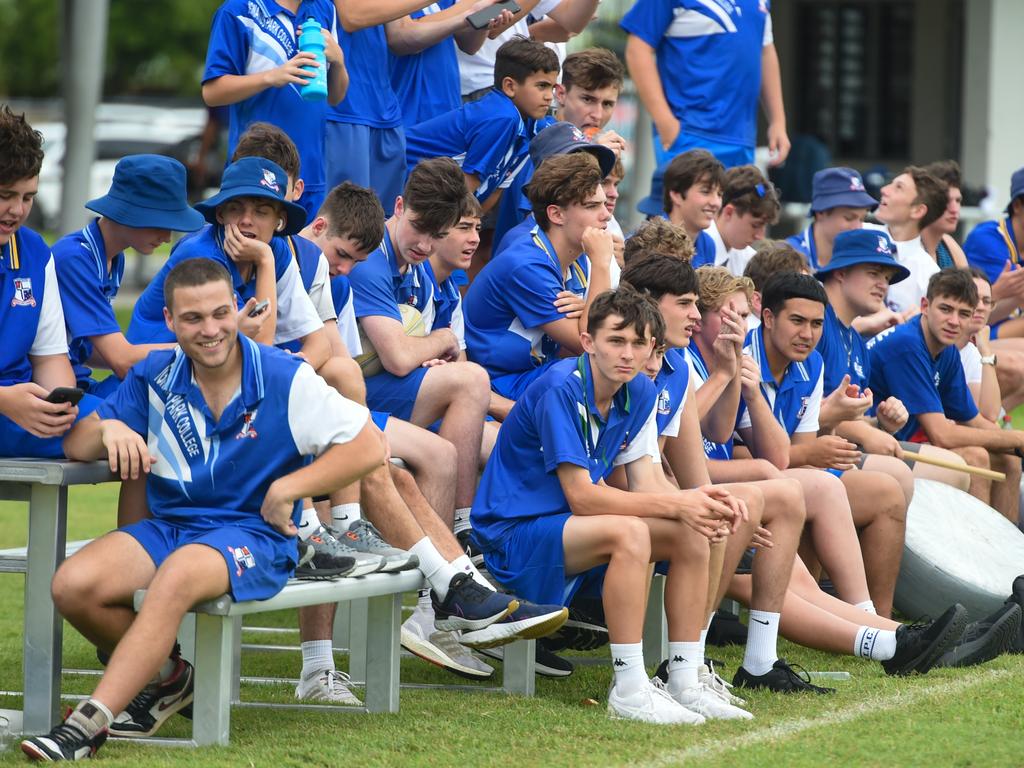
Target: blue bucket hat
<point>833,187</point>
<point>148,191</point>
<point>255,177</point>
<point>563,138</point>
<point>1016,188</point>
<point>864,246</point>
<point>654,203</point>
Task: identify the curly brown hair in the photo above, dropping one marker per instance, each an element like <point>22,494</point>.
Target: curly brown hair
<point>22,156</point>
<point>658,235</point>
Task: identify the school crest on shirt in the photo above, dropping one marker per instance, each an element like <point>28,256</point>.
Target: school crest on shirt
<point>247,429</point>
<point>269,181</point>
<point>243,559</point>
<point>938,379</point>
<point>23,293</point>
<point>803,407</point>
<point>858,368</point>
<point>664,403</point>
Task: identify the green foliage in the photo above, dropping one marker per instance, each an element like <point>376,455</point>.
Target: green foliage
<point>155,47</point>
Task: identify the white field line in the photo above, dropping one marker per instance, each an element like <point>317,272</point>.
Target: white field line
<point>794,727</point>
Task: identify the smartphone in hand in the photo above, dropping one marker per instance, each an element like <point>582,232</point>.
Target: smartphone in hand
<point>260,308</point>
<point>481,19</point>
<point>65,395</point>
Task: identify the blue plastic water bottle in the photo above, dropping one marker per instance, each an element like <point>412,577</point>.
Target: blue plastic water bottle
<point>312,40</point>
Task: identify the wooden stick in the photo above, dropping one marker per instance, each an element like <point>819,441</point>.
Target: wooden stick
<point>986,473</point>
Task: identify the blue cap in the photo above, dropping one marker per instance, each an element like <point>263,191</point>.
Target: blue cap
<point>654,203</point>
<point>563,138</point>
<point>255,177</point>
<point>148,191</point>
<point>834,187</point>
<point>1017,184</point>
<point>864,246</point>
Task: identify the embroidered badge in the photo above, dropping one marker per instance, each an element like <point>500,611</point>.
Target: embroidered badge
<point>23,293</point>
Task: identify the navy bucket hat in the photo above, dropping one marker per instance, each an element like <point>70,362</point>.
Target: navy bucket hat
<point>654,203</point>
<point>835,187</point>
<point>864,246</point>
<point>255,177</point>
<point>148,191</point>
<point>563,138</point>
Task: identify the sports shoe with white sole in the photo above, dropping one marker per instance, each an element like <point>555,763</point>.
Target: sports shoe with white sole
<point>469,606</point>
<point>526,622</point>
<point>328,685</point>
<point>363,537</point>
<point>333,559</point>
<point>420,638</point>
<point>708,677</point>
<point>68,741</point>
<point>705,702</point>
<point>650,705</point>
<point>155,704</point>
<point>545,663</point>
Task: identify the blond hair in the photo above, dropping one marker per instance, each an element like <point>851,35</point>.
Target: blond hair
<point>717,284</point>
<point>658,235</point>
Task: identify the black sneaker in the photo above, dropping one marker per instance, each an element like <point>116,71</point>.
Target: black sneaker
<point>985,639</point>
<point>470,606</point>
<point>67,741</point>
<point>919,645</point>
<point>465,539</point>
<point>546,663</point>
<point>581,632</point>
<point>781,678</point>
<point>155,704</point>
<point>726,629</point>
<point>1017,597</point>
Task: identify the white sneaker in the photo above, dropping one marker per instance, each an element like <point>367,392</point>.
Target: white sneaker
<point>706,702</point>
<point>441,648</point>
<point>708,677</point>
<point>650,705</point>
<point>328,686</point>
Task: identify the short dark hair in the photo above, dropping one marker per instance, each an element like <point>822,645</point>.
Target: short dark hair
<point>947,171</point>
<point>435,192</point>
<point>980,274</point>
<point>658,235</point>
<point>22,156</point>
<point>592,69</point>
<point>930,191</point>
<point>772,257</point>
<point>354,212</point>
<point>472,207</point>
<point>194,272</point>
<point>562,180</point>
<point>783,286</point>
<point>660,274</point>
<point>748,191</point>
<point>519,58</point>
<point>636,309</point>
<point>953,283</point>
<point>691,168</point>
<point>268,141</point>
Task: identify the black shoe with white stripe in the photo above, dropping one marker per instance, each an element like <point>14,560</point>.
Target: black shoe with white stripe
<point>68,741</point>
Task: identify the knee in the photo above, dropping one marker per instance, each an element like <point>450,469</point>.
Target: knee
<point>345,375</point>
<point>73,587</point>
<point>631,540</point>
<point>473,380</point>
<point>976,456</point>
<point>791,501</point>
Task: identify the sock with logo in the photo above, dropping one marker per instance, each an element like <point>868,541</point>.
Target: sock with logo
<point>462,519</point>
<point>90,717</point>
<point>868,606</point>
<point>762,638</point>
<point>343,515</point>
<point>628,667</point>
<point>464,564</point>
<point>309,523</point>
<point>875,644</point>
<point>683,661</point>
<point>435,569</point>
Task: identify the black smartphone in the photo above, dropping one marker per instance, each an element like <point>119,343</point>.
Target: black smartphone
<point>259,308</point>
<point>65,395</point>
<point>481,19</point>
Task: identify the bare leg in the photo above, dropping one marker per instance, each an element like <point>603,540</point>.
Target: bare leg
<point>951,477</point>
<point>1006,496</point>
<point>742,471</point>
<point>432,459</point>
<point>131,502</point>
<point>433,526</point>
<point>980,488</point>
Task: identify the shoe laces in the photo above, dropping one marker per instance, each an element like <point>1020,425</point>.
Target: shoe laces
<point>368,533</point>
<point>335,680</point>
<point>468,589</point>
<point>799,674</point>
<point>143,701</point>
<point>68,735</point>
<point>716,684</point>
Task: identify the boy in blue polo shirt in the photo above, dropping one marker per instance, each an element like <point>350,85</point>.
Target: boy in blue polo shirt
<point>489,137</point>
<point>692,197</point>
<point>34,355</point>
<point>749,204</point>
<point>513,327</point>
<point>223,481</point>
<point>839,203</point>
<point>253,65</point>
<point>546,521</point>
<point>700,69</point>
<point>145,203</point>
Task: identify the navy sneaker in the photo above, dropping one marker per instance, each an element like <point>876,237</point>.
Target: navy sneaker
<point>526,622</point>
<point>582,631</point>
<point>68,741</point>
<point>781,678</point>
<point>545,662</point>
<point>919,645</point>
<point>985,639</point>
<point>470,606</point>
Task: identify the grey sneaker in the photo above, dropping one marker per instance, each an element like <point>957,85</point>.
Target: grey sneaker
<point>333,558</point>
<point>363,537</point>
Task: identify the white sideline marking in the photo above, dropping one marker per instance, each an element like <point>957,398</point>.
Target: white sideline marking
<point>794,727</point>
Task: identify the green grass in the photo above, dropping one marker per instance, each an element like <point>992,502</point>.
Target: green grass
<point>948,718</point>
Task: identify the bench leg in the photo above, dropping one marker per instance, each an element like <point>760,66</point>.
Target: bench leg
<point>519,666</point>
<point>655,624</point>
<point>381,660</point>
<point>47,537</point>
<point>215,648</point>
<point>342,629</point>
<point>235,627</point>
<point>358,639</point>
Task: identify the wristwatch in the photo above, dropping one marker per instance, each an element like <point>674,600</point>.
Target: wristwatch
<point>988,359</point>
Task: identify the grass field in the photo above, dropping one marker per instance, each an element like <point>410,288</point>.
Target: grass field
<point>948,718</point>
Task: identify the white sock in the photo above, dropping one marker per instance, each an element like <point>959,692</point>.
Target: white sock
<point>875,644</point>
<point>91,716</point>
<point>435,569</point>
<point>423,601</point>
<point>464,564</point>
<point>166,670</point>
<point>317,656</point>
<point>462,519</point>
<point>343,515</point>
<point>762,638</point>
<point>868,606</point>
<point>683,660</point>
<point>308,523</point>
<point>628,667</point>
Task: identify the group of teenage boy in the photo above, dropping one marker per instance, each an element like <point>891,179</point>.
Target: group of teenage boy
<point>736,417</point>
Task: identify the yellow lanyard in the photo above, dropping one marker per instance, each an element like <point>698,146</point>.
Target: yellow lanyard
<point>14,259</point>
<point>1004,230</point>
<point>581,275</point>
